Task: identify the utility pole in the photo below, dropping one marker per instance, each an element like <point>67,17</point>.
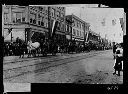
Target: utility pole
<point>3,20</point>
<point>49,24</point>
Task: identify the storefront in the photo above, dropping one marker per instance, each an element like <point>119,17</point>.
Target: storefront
<point>60,37</point>
<point>11,37</point>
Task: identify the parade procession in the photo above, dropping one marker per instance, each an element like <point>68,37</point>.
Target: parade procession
<point>38,36</point>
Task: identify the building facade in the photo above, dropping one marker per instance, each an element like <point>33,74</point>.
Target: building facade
<point>78,28</point>
<point>25,21</point>
<point>93,37</point>
<point>68,28</point>
<point>31,22</point>
<point>58,14</point>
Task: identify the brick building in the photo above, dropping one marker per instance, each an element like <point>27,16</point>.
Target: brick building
<point>27,22</point>
<point>78,28</point>
<point>58,14</point>
<point>31,22</point>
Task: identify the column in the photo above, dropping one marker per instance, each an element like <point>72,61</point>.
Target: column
<point>3,20</point>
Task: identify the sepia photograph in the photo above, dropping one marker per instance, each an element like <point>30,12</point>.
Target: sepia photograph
<point>73,43</point>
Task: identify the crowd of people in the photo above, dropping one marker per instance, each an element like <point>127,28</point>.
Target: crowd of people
<point>20,47</point>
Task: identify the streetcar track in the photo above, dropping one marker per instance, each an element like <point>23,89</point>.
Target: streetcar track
<point>28,59</point>
<point>45,67</point>
<point>53,60</point>
<point>33,58</point>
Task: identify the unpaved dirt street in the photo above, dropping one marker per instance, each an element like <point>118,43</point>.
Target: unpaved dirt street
<point>97,69</point>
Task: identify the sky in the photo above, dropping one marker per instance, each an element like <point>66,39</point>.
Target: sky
<point>95,16</point>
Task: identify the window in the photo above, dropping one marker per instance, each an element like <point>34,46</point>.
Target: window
<point>40,9</point>
<point>83,26</point>
<point>53,12</point>
<point>77,24</point>
<point>66,27</point>
<point>39,19</point>
<point>58,14</point>
<point>63,28</point>
<point>80,33</point>
<point>14,17</point>
<point>73,24</point>
<point>74,32</point>
<point>33,18</point>
<point>6,17</point>
<point>23,17</point>
<point>46,24</point>
<point>69,28</point>
<point>77,33</point>
<point>42,23</point>
<point>18,17</point>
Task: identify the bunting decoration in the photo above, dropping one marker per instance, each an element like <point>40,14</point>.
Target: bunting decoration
<point>54,28</point>
<point>53,25</point>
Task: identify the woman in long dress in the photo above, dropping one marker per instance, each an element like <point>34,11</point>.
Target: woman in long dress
<point>118,60</point>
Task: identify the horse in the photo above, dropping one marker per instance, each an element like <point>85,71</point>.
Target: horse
<point>33,48</point>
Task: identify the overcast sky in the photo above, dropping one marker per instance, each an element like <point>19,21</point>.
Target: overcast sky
<point>95,16</point>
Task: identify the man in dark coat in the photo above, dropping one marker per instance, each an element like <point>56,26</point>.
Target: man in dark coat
<point>114,50</point>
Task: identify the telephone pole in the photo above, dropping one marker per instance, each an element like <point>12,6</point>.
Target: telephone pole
<point>49,24</point>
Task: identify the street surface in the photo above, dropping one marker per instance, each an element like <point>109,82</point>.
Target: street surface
<point>95,67</point>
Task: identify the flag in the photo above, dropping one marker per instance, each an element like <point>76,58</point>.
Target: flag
<point>54,28</point>
<point>114,22</point>
<point>122,23</point>
<point>103,22</point>
<point>53,25</point>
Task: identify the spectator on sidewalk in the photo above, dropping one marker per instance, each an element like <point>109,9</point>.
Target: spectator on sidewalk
<point>119,59</point>
<point>114,50</point>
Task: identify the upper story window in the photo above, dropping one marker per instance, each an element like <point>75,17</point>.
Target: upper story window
<point>18,17</point>
<point>41,9</point>
<point>74,23</point>
<point>58,14</point>
<point>62,27</point>
<point>53,12</point>
<point>77,24</point>
<point>6,17</point>
<point>77,33</point>
<point>33,18</point>
<point>66,26</point>
<point>74,32</point>
<point>80,33</point>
